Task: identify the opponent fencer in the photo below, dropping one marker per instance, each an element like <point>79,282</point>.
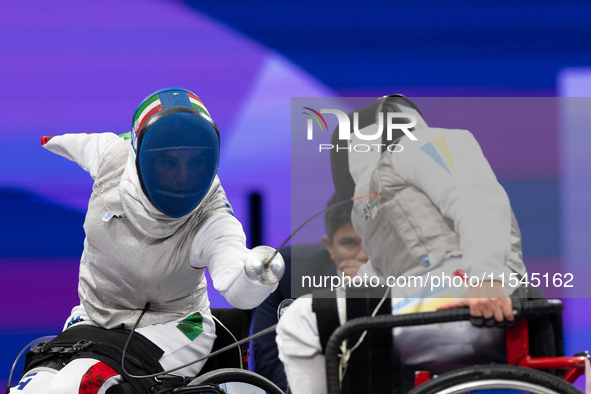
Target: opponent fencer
<point>435,209</point>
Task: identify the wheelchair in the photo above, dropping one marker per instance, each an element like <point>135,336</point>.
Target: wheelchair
<point>224,373</point>
<point>523,372</point>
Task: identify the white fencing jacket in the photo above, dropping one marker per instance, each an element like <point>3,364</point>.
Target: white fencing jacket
<point>141,255</point>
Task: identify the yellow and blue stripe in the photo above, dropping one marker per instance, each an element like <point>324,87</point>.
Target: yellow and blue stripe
<point>441,154</point>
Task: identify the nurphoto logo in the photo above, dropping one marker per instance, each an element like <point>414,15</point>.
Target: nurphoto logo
<point>376,131</point>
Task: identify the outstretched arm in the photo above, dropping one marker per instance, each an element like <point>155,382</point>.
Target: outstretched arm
<point>220,245</point>
<point>84,149</point>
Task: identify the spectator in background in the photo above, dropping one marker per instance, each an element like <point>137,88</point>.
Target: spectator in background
<point>342,242</point>
<point>341,248</point>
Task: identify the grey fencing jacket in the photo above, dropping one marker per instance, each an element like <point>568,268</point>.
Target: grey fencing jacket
<point>407,226</point>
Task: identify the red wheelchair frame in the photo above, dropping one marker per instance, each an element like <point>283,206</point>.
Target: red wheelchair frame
<point>517,345</point>
<point>517,339</point>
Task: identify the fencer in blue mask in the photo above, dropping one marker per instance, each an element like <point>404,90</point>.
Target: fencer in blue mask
<point>157,218</point>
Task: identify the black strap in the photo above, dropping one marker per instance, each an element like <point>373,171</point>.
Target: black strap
<point>324,305</point>
<point>372,367</point>
<point>103,345</point>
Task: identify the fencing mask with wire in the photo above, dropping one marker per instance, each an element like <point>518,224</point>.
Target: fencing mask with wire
<point>177,150</point>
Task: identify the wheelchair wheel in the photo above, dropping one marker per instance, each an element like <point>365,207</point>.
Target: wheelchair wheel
<point>237,381</point>
<point>507,378</point>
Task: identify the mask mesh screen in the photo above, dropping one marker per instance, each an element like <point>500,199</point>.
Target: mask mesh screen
<point>178,161</point>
